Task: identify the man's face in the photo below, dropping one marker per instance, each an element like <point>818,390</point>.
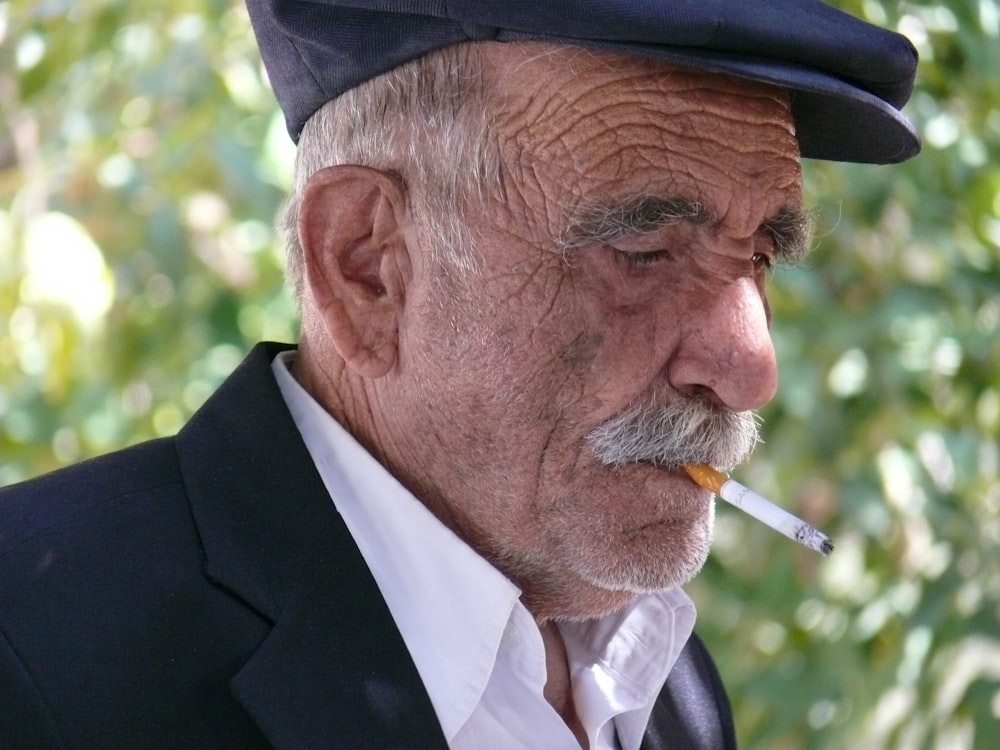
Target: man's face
<point>625,265</point>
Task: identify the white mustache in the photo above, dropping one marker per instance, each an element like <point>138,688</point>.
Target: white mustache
<point>681,432</point>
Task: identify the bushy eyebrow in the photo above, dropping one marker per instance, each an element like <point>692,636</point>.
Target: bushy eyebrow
<point>600,223</point>
<point>791,231</point>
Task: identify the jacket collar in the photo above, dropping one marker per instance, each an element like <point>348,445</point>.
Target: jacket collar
<point>333,672</point>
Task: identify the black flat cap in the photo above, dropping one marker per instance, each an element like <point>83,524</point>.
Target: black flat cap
<point>848,79</point>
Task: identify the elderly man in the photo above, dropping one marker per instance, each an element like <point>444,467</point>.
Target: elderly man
<point>530,245</point>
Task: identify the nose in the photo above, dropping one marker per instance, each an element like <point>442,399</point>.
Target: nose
<point>726,349</point>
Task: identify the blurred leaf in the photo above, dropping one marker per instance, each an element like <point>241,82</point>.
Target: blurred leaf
<point>152,126</point>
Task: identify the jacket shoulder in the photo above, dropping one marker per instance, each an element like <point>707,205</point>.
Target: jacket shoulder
<point>111,634</point>
<point>44,503</point>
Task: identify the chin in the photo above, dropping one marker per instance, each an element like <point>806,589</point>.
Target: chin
<point>659,557</point>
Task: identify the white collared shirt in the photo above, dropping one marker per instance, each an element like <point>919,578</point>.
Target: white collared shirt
<point>478,650</point>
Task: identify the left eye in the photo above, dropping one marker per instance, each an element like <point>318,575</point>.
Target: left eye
<point>642,259</point>
<point>762,261</point>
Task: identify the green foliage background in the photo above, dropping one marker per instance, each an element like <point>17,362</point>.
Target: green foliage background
<point>141,161</point>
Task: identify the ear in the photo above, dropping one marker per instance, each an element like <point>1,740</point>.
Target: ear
<point>350,227</point>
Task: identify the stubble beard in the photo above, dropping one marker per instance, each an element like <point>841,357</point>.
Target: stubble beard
<point>671,435</point>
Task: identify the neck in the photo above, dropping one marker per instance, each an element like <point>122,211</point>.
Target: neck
<point>558,683</point>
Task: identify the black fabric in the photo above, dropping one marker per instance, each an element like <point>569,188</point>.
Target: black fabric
<point>848,78</point>
<point>203,592</point>
<point>692,712</point>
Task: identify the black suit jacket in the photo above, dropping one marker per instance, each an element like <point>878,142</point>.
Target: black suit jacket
<point>202,592</point>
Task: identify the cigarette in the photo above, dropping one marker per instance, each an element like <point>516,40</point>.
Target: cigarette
<point>760,508</point>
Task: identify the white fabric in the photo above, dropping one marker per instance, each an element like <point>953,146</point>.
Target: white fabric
<point>478,650</point>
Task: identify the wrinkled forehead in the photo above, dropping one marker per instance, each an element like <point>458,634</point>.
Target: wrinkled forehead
<point>605,123</point>
<point>551,88</point>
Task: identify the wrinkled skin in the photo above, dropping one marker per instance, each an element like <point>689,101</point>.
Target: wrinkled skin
<point>478,392</point>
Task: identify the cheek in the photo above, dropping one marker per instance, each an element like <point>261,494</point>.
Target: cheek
<point>579,355</point>
<point>632,339</point>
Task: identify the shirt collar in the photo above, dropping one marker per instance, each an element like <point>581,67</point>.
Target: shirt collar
<point>620,662</point>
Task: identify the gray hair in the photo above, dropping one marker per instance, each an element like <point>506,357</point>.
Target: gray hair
<point>426,121</point>
<point>675,433</point>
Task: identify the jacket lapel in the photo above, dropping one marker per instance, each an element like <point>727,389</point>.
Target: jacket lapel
<point>333,671</point>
